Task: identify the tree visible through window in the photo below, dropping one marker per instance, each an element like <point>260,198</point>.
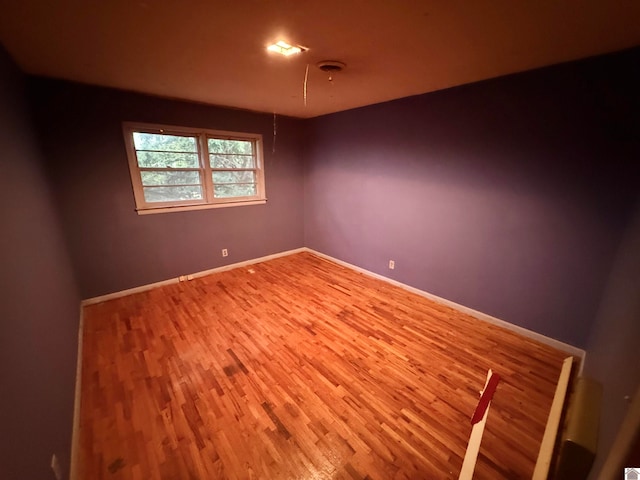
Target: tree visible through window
<point>188,168</point>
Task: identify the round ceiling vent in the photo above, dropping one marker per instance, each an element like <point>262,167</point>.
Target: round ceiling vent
<point>331,66</point>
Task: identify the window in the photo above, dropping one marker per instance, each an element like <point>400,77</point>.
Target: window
<point>176,168</point>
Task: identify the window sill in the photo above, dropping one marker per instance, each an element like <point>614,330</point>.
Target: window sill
<point>184,208</point>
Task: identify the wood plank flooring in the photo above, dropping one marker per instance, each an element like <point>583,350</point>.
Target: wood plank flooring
<point>299,368</point>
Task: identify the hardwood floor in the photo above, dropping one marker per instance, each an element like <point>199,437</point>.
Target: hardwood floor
<point>299,368</point>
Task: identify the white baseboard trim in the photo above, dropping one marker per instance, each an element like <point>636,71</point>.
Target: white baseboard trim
<point>557,344</point>
<point>203,273</point>
<point>75,435</point>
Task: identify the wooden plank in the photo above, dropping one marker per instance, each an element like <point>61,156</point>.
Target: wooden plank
<point>541,470</point>
<point>473,447</point>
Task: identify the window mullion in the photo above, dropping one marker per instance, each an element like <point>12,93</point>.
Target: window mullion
<point>207,181</point>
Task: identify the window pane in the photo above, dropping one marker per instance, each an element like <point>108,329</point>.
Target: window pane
<point>172,194</point>
<point>217,145</point>
<point>231,161</point>
<point>167,160</point>
<point>234,190</point>
<point>179,177</point>
<point>247,176</point>
<point>155,141</point>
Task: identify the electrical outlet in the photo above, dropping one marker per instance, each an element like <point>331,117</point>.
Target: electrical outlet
<point>55,466</point>
<point>392,264</point>
<point>225,252</point>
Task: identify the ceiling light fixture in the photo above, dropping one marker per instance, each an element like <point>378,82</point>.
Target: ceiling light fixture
<point>283,48</point>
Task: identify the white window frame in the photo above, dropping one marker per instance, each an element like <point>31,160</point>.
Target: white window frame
<point>208,201</point>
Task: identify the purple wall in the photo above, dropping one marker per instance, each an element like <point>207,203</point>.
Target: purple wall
<point>112,247</point>
<point>507,196</point>
<point>39,302</point>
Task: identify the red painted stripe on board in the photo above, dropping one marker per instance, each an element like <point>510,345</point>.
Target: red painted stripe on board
<point>486,397</point>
